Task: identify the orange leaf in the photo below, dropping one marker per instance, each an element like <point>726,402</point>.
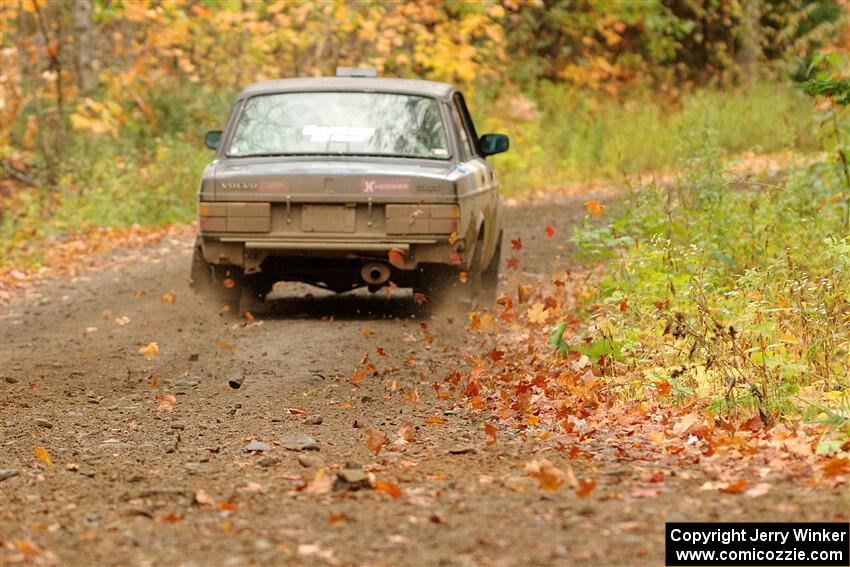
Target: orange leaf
<point>452,238</point>
<point>594,208</point>
<point>550,230</point>
<point>419,298</point>
<point>169,297</point>
<point>516,244</point>
<point>224,345</point>
<point>337,517</point>
<point>435,420</point>
<point>388,487</point>
<point>165,402</point>
<point>396,257</point>
<point>411,397</point>
<point>42,455</point>
<point>624,304</point>
<point>380,350</point>
<point>366,332</point>
<point>229,283</point>
<point>455,258</point>
<point>27,547</point>
<point>376,440</point>
<point>463,277</point>
<point>512,263</point>
<point>736,487</point>
<point>150,350</point>
<point>836,466</point>
<point>490,432</point>
<point>585,487</point>
<point>172,518</point>
<point>227,506</point>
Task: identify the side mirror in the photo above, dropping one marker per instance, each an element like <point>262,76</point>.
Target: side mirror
<point>493,144</point>
<point>212,139</point>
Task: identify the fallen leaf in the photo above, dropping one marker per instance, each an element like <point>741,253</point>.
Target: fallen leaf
<point>463,277</point>
<point>419,298</point>
<point>165,402</point>
<point>376,440</point>
<point>435,420</point>
<point>226,506</point>
<point>388,487</point>
<point>490,432</point>
<point>27,547</point>
<point>455,258</point>
<point>366,332</point>
<point>512,263</point>
<point>407,433</point>
<point>524,293</point>
<point>736,487</point>
<point>585,487</point>
<point>121,321</point>
<point>411,397</point>
<point>171,518</point>
<point>229,283</point>
<point>42,455</point>
<point>150,350</point>
<point>452,238</point>
<point>836,466</point>
<point>516,243</point>
<point>224,345</point>
<point>337,517</point>
<point>169,297</point>
<point>685,423</point>
<point>550,231</point>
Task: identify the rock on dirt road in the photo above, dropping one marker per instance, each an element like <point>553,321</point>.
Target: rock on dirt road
<point>115,452</point>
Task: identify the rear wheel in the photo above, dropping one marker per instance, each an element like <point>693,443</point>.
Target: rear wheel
<point>490,277</point>
<point>221,284</point>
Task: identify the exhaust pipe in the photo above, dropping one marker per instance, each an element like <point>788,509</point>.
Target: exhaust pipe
<point>375,273</point>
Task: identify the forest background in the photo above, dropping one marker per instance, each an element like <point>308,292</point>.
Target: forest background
<point>104,103</point>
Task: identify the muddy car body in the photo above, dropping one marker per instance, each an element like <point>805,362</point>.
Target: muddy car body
<point>343,182</point>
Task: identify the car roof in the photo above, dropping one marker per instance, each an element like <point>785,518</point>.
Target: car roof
<point>404,86</point>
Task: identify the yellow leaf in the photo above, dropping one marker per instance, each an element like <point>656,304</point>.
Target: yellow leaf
<point>150,350</point>
<point>42,455</point>
<point>594,208</point>
<point>538,314</point>
<point>169,297</point>
<point>224,345</point>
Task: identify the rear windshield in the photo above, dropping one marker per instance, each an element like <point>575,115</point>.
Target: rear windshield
<point>340,123</point>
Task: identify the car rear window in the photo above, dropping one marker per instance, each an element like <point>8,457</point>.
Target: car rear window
<point>340,123</point>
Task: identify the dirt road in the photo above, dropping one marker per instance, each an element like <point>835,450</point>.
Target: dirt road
<point>151,462</point>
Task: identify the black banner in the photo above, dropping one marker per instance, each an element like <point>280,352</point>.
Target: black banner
<point>762,544</point>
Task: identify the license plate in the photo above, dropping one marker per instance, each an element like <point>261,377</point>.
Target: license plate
<point>328,218</point>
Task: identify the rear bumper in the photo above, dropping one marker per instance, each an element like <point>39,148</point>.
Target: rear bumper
<point>249,252</point>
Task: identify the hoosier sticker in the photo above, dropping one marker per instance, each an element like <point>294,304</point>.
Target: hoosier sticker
<point>385,185</point>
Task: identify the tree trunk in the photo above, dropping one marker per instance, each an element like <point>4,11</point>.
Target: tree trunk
<point>83,44</point>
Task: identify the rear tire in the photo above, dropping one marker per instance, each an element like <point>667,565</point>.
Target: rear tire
<point>490,277</point>
<point>221,284</point>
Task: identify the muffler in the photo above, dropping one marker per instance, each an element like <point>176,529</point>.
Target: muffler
<point>375,273</point>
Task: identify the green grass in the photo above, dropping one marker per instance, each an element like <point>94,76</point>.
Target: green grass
<point>737,290</point>
<point>570,137</point>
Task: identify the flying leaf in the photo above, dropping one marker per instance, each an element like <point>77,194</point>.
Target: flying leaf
<point>228,283</point>
<point>171,518</point>
<point>169,297</point>
<point>375,440</point>
<point>411,397</point>
<point>538,314</point>
<point>202,498</point>
<point>736,487</point>
<point>42,455</point>
<point>419,298</point>
<point>758,490</point>
<point>490,432</point>
<point>550,231</point>
<point>594,208</point>
<point>452,238</point>
<point>435,420</point>
<point>550,477</point>
<point>463,277</point>
<point>388,487</point>
<point>150,350</point>
<point>165,402</point>
<point>585,487</point>
<point>224,345</point>
<point>516,243</point>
